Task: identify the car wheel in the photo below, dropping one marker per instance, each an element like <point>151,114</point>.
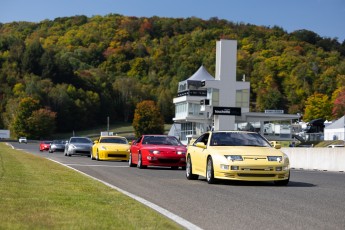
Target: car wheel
<point>91,156</point>
<point>189,174</point>
<point>282,182</point>
<point>130,160</point>
<point>140,162</point>
<point>209,171</point>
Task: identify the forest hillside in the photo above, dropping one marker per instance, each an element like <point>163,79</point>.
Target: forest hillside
<point>73,72</point>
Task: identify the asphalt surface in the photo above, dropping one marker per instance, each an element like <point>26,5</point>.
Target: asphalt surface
<point>312,199</point>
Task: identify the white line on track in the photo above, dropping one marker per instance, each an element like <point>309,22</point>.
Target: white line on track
<point>170,215</point>
<point>111,166</point>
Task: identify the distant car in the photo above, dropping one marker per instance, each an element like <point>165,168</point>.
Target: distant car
<point>110,148</point>
<point>57,146</point>
<point>157,150</point>
<point>236,155</point>
<point>45,145</point>
<point>78,146</point>
<point>22,140</point>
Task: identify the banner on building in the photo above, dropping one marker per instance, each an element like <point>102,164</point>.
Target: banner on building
<point>232,111</point>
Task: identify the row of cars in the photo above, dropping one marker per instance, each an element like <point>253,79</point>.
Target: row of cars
<point>53,146</point>
<point>228,155</point>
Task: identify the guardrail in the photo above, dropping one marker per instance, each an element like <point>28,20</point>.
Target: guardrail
<point>324,159</point>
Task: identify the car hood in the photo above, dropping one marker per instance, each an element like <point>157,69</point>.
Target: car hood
<point>167,148</point>
<point>245,150</point>
<point>118,147</point>
<point>82,144</point>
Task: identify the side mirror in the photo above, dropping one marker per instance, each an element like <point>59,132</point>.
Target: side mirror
<point>201,145</point>
<point>275,144</point>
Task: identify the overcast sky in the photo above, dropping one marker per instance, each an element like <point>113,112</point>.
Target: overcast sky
<point>324,17</point>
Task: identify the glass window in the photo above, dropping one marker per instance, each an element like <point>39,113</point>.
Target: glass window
<point>238,139</point>
<point>242,98</point>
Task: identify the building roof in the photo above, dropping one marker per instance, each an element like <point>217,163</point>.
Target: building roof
<point>200,75</point>
<point>338,124</point>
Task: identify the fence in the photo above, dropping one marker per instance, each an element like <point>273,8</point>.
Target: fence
<point>326,159</point>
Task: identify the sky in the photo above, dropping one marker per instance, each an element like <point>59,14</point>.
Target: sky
<point>324,17</point>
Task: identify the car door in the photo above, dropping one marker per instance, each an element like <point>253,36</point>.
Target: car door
<point>199,154</point>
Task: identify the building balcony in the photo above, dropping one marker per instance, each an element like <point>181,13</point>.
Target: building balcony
<point>191,117</point>
<point>198,93</point>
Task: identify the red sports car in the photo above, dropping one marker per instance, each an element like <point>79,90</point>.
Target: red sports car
<point>157,150</point>
<point>44,145</point>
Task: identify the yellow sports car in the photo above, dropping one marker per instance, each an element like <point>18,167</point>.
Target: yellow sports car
<point>236,155</point>
<point>110,148</point>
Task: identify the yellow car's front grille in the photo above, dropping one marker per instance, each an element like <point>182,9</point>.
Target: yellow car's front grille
<point>256,169</point>
<point>255,175</point>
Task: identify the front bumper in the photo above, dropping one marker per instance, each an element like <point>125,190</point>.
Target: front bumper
<point>266,172</point>
<point>113,155</point>
<point>155,160</point>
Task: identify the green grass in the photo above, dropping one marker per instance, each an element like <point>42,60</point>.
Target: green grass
<point>36,193</point>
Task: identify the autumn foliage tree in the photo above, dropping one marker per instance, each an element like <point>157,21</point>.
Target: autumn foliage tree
<point>20,123</point>
<point>147,119</point>
<point>339,103</point>
<point>318,106</point>
<point>41,123</point>
<point>32,121</point>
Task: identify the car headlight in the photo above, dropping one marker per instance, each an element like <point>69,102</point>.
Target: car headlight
<point>155,151</point>
<point>181,153</point>
<point>275,158</point>
<point>234,157</point>
<point>72,147</point>
<point>103,148</point>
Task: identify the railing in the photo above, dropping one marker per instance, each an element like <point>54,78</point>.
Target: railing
<point>200,93</point>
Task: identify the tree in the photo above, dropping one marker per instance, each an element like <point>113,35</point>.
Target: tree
<point>339,103</point>
<point>31,58</point>
<point>147,119</point>
<point>20,124</point>
<point>318,106</point>
<point>41,123</point>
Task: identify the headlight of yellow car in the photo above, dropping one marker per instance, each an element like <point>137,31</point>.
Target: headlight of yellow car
<point>103,148</point>
<point>274,158</point>
<point>233,157</point>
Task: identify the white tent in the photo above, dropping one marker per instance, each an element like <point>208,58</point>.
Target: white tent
<point>336,130</point>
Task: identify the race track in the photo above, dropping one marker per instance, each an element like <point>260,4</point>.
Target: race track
<point>312,199</point>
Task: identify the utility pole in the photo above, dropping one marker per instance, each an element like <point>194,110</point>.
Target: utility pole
<point>108,125</point>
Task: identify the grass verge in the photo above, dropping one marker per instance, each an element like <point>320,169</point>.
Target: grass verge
<point>36,193</point>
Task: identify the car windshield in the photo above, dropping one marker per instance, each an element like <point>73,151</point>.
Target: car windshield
<point>80,140</point>
<point>58,142</point>
<point>114,140</point>
<point>161,140</point>
<point>238,139</point>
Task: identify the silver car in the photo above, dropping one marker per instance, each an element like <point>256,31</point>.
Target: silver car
<point>57,146</point>
<point>78,146</point>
